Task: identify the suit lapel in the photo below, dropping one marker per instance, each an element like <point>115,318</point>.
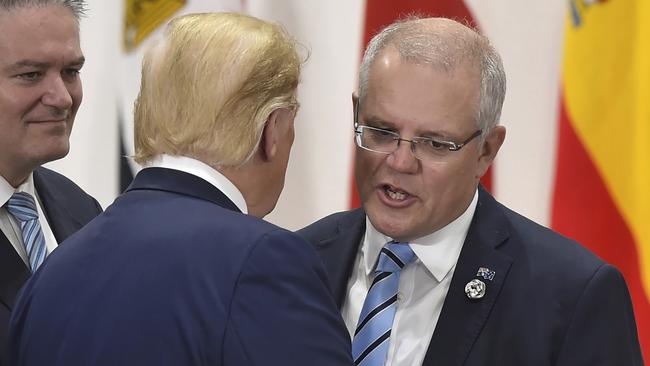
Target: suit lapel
<point>176,181</point>
<point>59,212</point>
<point>462,318</point>
<point>343,243</point>
<point>13,272</point>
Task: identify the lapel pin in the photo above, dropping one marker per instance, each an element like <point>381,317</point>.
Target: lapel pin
<point>475,289</point>
<point>486,273</point>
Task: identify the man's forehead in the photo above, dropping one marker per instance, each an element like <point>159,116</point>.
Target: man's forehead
<point>421,98</point>
<point>31,15</point>
<point>26,33</point>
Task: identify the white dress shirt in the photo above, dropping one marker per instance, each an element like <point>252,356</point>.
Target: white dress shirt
<point>203,171</point>
<point>11,227</point>
<point>423,286</point>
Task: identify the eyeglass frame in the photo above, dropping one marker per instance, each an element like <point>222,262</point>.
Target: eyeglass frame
<point>450,145</point>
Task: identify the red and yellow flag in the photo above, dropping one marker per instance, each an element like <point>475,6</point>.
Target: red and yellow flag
<point>602,186</point>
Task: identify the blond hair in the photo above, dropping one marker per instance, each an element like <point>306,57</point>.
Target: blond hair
<point>209,86</point>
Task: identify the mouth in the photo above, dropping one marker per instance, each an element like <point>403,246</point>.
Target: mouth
<point>394,196</point>
<point>394,193</point>
<point>50,121</point>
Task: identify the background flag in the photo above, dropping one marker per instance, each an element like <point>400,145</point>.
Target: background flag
<point>602,186</point>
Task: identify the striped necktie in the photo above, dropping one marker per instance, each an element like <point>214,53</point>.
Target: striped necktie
<point>22,206</point>
<point>371,338</point>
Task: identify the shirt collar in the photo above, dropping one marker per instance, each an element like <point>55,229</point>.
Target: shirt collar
<point>203,171</point>
<point>438,251</point>
<point>7,190</point>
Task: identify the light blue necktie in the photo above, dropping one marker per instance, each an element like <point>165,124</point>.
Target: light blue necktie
<point>371,338</point>
<point>22,206</point>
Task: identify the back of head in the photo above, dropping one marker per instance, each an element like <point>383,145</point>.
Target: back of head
<point>76,7</point>
<point>209,85</point>
<point>445,45</point>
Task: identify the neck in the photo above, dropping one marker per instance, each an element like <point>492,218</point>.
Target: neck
<point>248,182</point>
<point>15,177</point>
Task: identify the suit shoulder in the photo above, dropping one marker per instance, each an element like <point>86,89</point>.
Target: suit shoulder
<point>329,225</point>
<point>44,176</point>
<point>550,247</point>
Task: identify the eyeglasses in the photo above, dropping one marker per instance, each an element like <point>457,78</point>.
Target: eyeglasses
<point>387,142</point>
<point>424,148</point>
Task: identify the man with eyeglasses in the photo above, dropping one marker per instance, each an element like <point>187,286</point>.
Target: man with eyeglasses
<point>432,270</point>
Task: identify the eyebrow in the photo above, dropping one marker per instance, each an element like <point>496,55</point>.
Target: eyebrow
<point>377,122</point>
<point>42,65</point>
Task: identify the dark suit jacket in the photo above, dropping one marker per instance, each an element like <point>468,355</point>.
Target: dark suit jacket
<point>173,274</point>
<point>551,301</point>
<point>67,208</point>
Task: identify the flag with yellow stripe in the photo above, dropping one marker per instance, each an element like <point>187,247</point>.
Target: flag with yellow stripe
<point>602,184</point>
<point>143,16</point>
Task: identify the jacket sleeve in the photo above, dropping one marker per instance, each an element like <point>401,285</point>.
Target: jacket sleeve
<point>282,311</point>
<point>602,329</point>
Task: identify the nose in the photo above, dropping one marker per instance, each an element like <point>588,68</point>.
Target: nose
<point>402,159</point>
<point>57,94</point>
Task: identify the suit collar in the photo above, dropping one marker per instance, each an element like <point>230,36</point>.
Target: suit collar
<point>343,242</point>
<point>462,318</point>
<point>176,181</point>
<point>60,213</point>
<point>203,171</point>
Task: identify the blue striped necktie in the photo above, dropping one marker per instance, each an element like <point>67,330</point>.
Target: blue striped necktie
<point>371,338</point>
<point>22,206</point>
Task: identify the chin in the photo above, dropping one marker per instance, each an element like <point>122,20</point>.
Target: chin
<point>53,153</point>
<point>59,152</point>
<point>389,226</point>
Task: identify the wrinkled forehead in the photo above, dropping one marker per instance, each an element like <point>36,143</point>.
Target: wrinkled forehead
<point>423,96</point>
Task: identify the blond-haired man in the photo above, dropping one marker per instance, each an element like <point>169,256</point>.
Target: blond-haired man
<point>181,270</point>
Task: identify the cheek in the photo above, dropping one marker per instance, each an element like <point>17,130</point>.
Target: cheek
<point>366,167</point>
<point>16,103</point>
<point>76,93</point>
<point>361,169</point>
<point>292,136</point>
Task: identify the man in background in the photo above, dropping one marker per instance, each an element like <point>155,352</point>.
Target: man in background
<point>432,270</point>
<point>40,92</point>
<point>181,270</point>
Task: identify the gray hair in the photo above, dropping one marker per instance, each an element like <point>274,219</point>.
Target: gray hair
<point>444,44</point>
<point>76,7</point>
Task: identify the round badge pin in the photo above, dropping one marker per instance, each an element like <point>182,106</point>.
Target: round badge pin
<point>475,289</point>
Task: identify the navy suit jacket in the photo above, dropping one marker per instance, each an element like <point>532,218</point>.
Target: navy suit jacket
<point>173,274</point>
<point>67,208</point>
<point>551,301</point>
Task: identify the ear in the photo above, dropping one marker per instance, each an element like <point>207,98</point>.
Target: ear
<point>490,148</point>
<point>269,141</point>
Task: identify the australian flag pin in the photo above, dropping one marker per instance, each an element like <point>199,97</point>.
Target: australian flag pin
<point>486,273</point>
